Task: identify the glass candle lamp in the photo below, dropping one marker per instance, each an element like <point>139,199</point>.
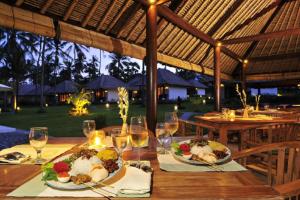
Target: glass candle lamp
<point>231,115</point>
<point>97,139</point>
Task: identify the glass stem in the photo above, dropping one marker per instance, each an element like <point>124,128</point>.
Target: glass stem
<point>39,154</point>
<point>139,156</point>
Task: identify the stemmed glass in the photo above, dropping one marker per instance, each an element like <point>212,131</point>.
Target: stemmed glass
<point>171,123</point>
<point>162,136</point>
<point>138,133</point>
<point>38,138</point>
<point>88,127</point>
<point>120,141</point>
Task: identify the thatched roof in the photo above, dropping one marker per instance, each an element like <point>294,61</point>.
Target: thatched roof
<point>197,84</point>
<point>105,82</point>
<point>166,77</point>
<point>119,26</point>
<point>65,87</point>
<point>137,82</point>
<point>33,90</point>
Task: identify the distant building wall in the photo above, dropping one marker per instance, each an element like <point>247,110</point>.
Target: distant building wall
<point>175,92</point>
<point>112,95</point>
<point>201,91</point>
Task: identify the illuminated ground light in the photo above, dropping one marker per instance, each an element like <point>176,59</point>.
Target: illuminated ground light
<point>18,108</point>
<point>175,107</point>
<point>107,105</point>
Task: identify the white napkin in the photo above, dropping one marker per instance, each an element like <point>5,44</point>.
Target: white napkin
<point>19,161</point>
<point>136,181</point>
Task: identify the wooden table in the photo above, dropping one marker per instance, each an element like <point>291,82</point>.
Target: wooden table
<point>166,185</point>
<point>222,126</point>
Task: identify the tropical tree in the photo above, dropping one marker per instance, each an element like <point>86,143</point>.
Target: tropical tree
<point>79,67</point>
<point>186,74</point>
<point>92,68</point>
<point>16,48</point>
<point>121,67</point>
<point>66,72</point>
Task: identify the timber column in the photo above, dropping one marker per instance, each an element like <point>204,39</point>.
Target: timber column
<point>151,62</point>
<point>243,73</point>
<point>217,76</point>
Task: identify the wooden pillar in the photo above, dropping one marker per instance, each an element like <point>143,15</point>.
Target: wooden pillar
<point>217,78</point>
<point>243,75</point>
<point>151,62</point>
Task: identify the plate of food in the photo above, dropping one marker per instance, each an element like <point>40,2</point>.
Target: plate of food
<point>81,169</point>
<point>200,152</point>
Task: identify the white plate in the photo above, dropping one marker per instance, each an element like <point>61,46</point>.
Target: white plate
<point>195,162</point>
<point>72,186</point>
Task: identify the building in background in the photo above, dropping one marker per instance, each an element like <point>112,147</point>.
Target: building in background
<point>105,88</point>
<point>63,90</point>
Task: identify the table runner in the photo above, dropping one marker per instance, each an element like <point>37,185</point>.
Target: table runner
<point>36,187</point>
<point>168,163</point>
<point>49,152</point>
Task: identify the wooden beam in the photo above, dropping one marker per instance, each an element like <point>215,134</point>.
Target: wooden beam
<point>263,36</point>
<point>172,17</point>
<point>276,57</point>
<point>217,77</point>
<point>46,6</point>
<point>216,27</point>
<point>70,10</point>
<point>273,76</point>
<point>151,62</point>
<point>274,83</point>
<point>90,14</point>
<point>19,2</point>
<point>120,13</point>
<point>131,14</point>
<point>111,6</point>
<point>162,1</point>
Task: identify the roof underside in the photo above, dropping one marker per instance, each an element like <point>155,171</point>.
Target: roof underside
<point>126,20</point>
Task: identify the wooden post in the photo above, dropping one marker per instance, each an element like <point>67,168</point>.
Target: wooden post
<point>243,75</point>
<point>151,62</point>
<point>217,78</point>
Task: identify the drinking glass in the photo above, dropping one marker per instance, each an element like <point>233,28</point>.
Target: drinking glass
<point>88,127</point>
<point>120,141</point>
<point>138,133</point>
<point>38,138</point>
<point>162,137</point>
<point>171,123</point>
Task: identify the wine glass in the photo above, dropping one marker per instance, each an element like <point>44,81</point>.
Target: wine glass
<point>38,138</point>
<point>120,141</point>
<point>162,136</point>
<point>88,127</point>
<point>138,133</point>
<point>171,123</point>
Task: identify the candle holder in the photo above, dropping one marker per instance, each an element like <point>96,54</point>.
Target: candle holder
<point>97,139</point>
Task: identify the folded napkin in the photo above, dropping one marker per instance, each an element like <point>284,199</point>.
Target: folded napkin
<point>135,181</point>
<point>19,160</point>
<point>49,152</point>
<point>168,163</point>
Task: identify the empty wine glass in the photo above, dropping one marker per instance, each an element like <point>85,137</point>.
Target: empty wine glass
<point>171,123</point>
<point>120,141</point>
<point>138,133</point>
<point>162,137</point>
<point>88,127</point>
<point>38,138</point>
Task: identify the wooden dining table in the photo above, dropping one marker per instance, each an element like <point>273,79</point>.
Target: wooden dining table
<point>222,126</point>
<point>165,185</point>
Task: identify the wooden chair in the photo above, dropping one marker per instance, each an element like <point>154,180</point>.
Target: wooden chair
<point>283,173</point>
<point>189,128</point>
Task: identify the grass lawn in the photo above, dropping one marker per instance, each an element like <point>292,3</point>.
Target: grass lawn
<point>60,123</point>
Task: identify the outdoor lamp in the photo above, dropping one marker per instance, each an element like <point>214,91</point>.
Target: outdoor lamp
<point>204,101</point>
<point>175,107</point>
<point>152,2</point>
<point>107,105</point>
<point>18,108</point>
<point>97,139</point>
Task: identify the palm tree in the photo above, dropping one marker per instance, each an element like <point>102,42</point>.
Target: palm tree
<point>121,67</point>
<point>91,69</point>
<point>16,48</point>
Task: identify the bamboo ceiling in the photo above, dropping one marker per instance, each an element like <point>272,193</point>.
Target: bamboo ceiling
<point>222,20</point>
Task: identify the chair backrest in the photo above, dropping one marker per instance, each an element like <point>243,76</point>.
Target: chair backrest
<point>188,128</point>
<point>286,167</point>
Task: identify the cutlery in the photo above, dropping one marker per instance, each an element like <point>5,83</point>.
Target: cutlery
<point>98,191</point>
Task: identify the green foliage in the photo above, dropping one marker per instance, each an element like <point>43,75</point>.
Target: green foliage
<point>80,102</point>
<point>48,172</point>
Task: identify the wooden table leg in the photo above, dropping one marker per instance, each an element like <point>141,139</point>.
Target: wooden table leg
<point>223,136</point>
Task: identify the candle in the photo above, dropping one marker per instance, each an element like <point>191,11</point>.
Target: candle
<point>97,139</point>
<point>231,115</point>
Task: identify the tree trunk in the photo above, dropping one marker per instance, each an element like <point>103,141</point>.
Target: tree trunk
<point>42,109</point>
<point>56,65</point>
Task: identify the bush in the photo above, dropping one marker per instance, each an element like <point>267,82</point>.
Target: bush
<point>100,121</point>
